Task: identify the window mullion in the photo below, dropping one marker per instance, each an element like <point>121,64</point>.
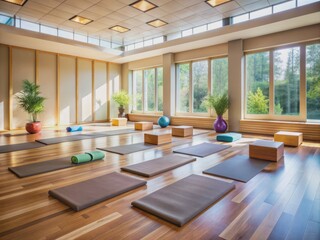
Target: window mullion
<point>156,89</point>
<point>143,93</point>
<point>303,83</point>
<point>209,82</point>
<point>271,84</point>
<point>191,89</point>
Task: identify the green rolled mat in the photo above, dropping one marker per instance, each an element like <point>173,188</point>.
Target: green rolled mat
<point>81,158</point>
<point>96,155</point>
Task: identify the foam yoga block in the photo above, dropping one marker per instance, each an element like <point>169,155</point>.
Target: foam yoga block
<point>96,155</point>
<point>74,129</point>
<point>229,137</point>
<point>81,158</point>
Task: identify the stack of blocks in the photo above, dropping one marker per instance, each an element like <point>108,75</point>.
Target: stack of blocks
<point>293,139</point>
<point>182,131</point>
<point>266,150</point>
<point>143,126</point>
<point>157,138</point>
<point>119,122</point>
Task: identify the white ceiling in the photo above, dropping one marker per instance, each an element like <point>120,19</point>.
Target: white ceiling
<point>180,14</point>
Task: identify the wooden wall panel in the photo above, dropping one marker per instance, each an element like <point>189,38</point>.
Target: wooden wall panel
<point>67,89</point>
<point>100,91</point>
<point>114,86</point>
<point>23,68</point>
<point>84,90</point>
<point>4,87</point>
<point>197,122</point>
<point>311,131</point>
<point>46,78</point>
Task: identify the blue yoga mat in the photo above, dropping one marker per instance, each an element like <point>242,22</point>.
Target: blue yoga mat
<point>74,129</point>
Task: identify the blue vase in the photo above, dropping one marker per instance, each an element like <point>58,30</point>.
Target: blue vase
<point>220,125</point>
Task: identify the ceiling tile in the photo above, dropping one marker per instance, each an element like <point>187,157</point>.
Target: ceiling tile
<point>37,7</point>
<point>172,6</point>
<point>62,14</point>
<point>234,12</point>
<point>111,4</point>
<point>51,18</point>
<point>4,6</point>
<point>49,3</point>
<point>144,17</point>
<point>226,7</point>
<point>157,13</point>
<point>188,3</point>
<point>99,10</point>
<point>245,2</point>
<point>159,2</point>
<point>129,11</point>
<point>83,4</point>
<point>70,9</point>
<point>91,15</point>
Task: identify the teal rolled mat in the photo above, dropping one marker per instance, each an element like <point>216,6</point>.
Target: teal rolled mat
<point>96,155</point>
<point>81,158</point>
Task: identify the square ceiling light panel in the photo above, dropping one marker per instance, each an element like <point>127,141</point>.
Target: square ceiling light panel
<point>81,20</point>
<point>119,29</point>
<point>157,23</point>
<point>17,2</point>
<point>143,5</point>
<point>214,3</point>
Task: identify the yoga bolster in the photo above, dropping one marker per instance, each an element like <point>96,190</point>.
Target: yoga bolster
<point>96,155</point>
<point>74,128</point>
<point>229,137</point>
<point>81,158</point>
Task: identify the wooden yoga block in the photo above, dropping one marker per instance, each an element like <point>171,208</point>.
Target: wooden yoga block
<point>119,122</point>
<point>182,131</point>
<point>143,126</point>
<point>157,138</point>
<point>289,138</point>
<point>266,150</point>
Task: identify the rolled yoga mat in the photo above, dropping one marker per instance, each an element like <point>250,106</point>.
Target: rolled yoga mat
<point>81,158</point>
<point>74,129</point>
<point>96,155</point>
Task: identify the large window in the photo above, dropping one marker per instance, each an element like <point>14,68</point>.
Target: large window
<point>147,90</point>
<point>313,81</point>
<point>195,80</point>
<point>276,87</point>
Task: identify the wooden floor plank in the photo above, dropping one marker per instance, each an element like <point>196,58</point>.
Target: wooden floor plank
<point>281,202</point>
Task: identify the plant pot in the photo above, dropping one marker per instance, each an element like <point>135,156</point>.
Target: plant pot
<point>220,125</point>
<point>33,127</point>
<point>121,112</point>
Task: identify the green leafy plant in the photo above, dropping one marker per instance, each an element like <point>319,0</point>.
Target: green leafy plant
<point>257,103</point>
<point>219,103</point>
<point>121,97</point>
<point>29,99</point>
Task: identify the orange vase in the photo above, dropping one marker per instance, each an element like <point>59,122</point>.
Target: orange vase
<point>33,127</point>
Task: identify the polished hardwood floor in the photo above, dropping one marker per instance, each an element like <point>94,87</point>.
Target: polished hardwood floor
<point>282,202</point>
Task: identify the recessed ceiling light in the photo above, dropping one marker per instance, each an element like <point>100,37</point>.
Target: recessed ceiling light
<point>17,2</point>
<point>157,23</point>
<point>143,5</point>
<point>81,20</point>
<point>214,3</point>
<point>119,29</point>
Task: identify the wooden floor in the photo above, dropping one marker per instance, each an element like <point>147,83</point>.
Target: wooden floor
<point>282,202</point>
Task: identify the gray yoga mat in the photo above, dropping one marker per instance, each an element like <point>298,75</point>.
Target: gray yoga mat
<point>84,194</point>
<point>130,148</point>
<point>77,137</point>
<point>20,146</point>
<point>240,168</point>
<point>181,201</point>
<point>158,165</point>
<point>202,150</point>
<point>41,167</point>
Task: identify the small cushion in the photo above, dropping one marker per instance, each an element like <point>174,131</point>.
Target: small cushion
<point>229,137</point>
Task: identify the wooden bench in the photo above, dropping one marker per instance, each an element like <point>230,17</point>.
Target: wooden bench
<point>119,121</point>
<point>266,150</point>
<point>157,138</point>
<point>143,126</point>
<point>289,138</point>
<point>182,131</point>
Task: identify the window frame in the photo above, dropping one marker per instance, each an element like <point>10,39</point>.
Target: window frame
<point>144,99</point>
<point>210,112</point>
<point>302,117</point>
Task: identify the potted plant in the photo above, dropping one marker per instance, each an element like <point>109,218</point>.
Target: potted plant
<point>220,104</point>
<point>122,99</point>
<point>29,99</point>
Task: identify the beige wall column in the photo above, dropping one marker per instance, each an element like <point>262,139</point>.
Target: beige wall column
<point>235,84</point>
<point>169,85</point>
